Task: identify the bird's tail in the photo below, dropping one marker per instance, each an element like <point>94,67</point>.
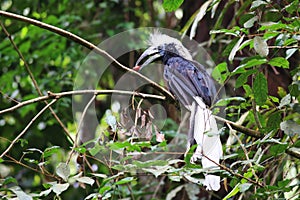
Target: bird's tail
<point>209,147</point>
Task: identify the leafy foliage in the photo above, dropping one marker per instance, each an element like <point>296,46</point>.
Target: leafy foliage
<point>172,5</point>
<point>256,46</point>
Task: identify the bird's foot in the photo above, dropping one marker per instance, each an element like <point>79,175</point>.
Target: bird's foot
<point>197,155</point>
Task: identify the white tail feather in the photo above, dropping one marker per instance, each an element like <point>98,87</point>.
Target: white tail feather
<point>209,147</point>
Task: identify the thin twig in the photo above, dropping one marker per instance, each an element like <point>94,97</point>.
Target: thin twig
<point>240,128</point>
<point>31,168</point>
<point>26,128</point>
<point>232,172</point>
<point>22,58</point>
<point>33,80</point>
<point>86,44</point>
<point>8,97</point>
<point>79,125</point>
<point>52,95</point>
<point>91,168</point>
<point>243,148</point>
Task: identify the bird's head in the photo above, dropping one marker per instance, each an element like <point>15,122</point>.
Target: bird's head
<point>162,46</point>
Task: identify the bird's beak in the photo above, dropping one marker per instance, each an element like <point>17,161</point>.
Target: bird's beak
<point>153,54</point>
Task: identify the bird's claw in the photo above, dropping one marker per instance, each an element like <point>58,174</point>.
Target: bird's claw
<point>197,155</point>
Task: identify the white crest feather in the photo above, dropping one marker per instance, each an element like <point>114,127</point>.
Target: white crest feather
<point>158,39</point>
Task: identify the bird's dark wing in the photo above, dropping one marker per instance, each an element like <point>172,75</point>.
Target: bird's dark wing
<point>186,80</point>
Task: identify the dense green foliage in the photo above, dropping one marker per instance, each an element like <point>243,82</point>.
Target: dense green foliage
<point>256,47</point>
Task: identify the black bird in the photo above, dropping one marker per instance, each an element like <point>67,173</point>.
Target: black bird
<point>195,89</point>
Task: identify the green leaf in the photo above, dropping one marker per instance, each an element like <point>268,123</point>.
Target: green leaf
<point>173,192</point>
<point>24,32</point>
<point>257,3</point>
<point>125,180</point>
<point>283,183</point>
<point>111,120</point>
<point>277,149</point>
<point>286,100</point>
<point>274,99</point>
<point>174,178</point>
<point>23,142</point>
<point>233,31</point>
<point>5,5</point>
<point>99,175</point>
<point>250,22</point>
<point>273,122</point>
<point>50,151</point>
<point>200,15</point>
<point>25,46</point>
<point>20,193</point>
<point>119,145</point>
<point>221,73</point>
<point>273,27</point>
<point>104,189</point>
<point>290,127</point>
<point>244,187</point>
<point>63,171</point>
<point>157,170</point>
<point>150,163</point>
<point>233,192</point>
<point>261,46</point>
<point>229,47</point>
<point>290,52</point>
<point>171,5</point>
<point>246,43</point>
<point>292,7</point>
<point>9,180</point>
<point>80,149</point>
<point>294,90</point>
<point>235,48</point>
<point>86,180</point>
<point>93,151</point>
<point>260,89</point>
<point>59,188</point>
<point>243,78</point>
<point>45,192</point>
<point>226,101</point>
<point>250,63</point>
<point>279,62</point>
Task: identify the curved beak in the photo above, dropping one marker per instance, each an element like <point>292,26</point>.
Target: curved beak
<point>153,54</point>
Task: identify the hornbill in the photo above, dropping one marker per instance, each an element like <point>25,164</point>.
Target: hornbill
<point>195,90</point>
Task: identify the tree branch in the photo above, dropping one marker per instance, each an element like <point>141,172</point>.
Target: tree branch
<point>79,92</point>
<point>240,128</point>
<point>79,126</point>
<point>293,151</point>
<point>31,168</point>
<point>233,173</point>
<point>26,128</point>
<point>86,44</point>
<point>34,81</point>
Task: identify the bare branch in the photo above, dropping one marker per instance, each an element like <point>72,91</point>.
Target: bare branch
<point>233,132</point>
<point>86,44</point>
<point>31,168</point>
<point>79,92</point>
<point>293,151</point>
<point>79,126</point>
<point>22,58</point>
<point>234,173</point>
<point>26,128</point>
<point>33,80</point>
<point>240,128</point>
